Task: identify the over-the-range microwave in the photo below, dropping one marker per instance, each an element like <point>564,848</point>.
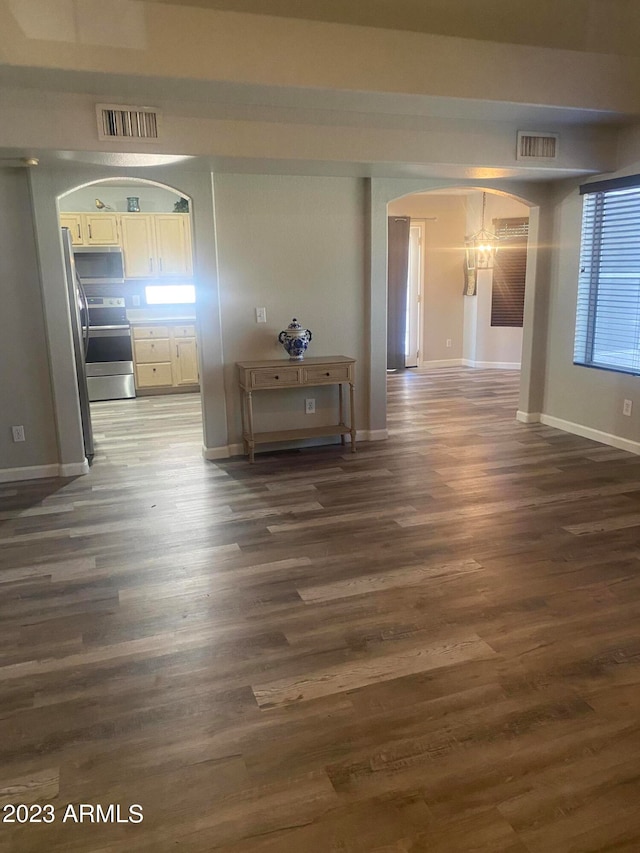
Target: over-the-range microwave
<point>99,264</point>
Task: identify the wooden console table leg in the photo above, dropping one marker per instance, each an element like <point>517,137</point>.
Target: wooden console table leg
<point>352,413</point>
<point>341,411</point>
<point>243,403</point>
<point>250,419</point>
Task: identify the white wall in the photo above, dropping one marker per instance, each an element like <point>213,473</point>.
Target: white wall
<point>296,247</point>
<point>25,391</point>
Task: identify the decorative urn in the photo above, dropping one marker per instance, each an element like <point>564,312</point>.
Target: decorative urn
<point>295,340</point>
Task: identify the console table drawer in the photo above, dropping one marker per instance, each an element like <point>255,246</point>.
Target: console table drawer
<point>275,378</point>
<point>337,373</point>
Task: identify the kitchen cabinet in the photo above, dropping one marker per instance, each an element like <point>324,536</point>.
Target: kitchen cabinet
<point>73,221</point>
<point>138,245</point>
<point>165,358</point>
<point>92,229</point>
<point>173,243</point>
<point>156,245</point>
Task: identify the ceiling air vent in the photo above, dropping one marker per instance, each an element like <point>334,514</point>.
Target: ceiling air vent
<point>537,146</point>
<point>116,121</point>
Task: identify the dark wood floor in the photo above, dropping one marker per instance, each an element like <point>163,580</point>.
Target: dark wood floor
<point>432,645</point>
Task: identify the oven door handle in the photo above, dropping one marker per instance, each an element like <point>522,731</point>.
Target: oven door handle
<point>110,332</point>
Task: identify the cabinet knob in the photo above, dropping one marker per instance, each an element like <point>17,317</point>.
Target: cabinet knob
<point>327,373</point>
<point>276,377</point>
<point>154,370</point>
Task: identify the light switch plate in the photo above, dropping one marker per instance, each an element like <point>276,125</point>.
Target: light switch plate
<point>261,315</point>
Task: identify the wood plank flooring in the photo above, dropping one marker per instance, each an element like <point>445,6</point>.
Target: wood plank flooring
<point>430,645</point>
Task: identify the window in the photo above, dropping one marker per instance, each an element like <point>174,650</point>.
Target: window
<point>170,294</point>
<point>608,310</point>
<point>509,272</point>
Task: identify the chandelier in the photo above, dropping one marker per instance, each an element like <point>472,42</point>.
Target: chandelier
<point>482,246</point>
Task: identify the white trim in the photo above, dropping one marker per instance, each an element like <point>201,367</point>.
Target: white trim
<point>212,453</point>
<point>492,365</point>
<point>443,362</point>
<point>528,417</point>
<point>593,434</point>
<point>41,472</point>
<point>74,469</point>
<point>372,434</point>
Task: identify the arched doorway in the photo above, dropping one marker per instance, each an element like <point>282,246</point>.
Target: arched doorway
<point>458,314</point>
<point>49,185</point>
<point>129,265</point>
<point>384,191</point>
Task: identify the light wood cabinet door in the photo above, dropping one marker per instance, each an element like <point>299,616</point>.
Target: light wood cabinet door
<point>101,229</point>
<point>73,221</point>
<point>138,245</point>
<point>173,244</point>
<point>185,361</point>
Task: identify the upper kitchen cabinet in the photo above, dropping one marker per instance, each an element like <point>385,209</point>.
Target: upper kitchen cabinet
<point>156,245</point>
<point>101,229</point>
<point>88,229</point>
<point>138,245</point>
<point>73,221</point>
<point>173,243</point>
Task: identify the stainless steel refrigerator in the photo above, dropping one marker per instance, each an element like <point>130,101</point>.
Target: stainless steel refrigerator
<point>80,331</point>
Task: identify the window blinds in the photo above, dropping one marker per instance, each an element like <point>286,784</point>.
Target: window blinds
<point>509,272</point>
<point>608,309</point>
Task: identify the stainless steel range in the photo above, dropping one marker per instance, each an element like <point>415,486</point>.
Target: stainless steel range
<point>109,356</point>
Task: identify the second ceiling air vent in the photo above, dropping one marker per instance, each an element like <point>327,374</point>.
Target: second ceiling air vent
<point>537,146</point>
<point>117,121</point>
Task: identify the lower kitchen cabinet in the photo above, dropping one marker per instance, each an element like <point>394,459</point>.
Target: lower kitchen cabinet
<point>165,358</point>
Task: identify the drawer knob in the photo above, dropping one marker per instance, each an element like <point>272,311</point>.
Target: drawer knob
<point>276,377</point>
<point>154,370</point>
<point>327,373</point>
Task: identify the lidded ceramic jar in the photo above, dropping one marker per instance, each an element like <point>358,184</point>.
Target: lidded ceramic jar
<point>295,340</point>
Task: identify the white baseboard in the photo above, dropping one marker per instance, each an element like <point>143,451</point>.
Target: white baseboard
<point>594,434</point>
<point>42,472</point>
<point>492,365</point>
<point>74,469</point>
<point>443,362</point>
<point>213,453</point>
<point>528,417</point>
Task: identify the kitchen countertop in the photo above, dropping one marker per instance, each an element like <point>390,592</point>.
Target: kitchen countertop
<point>140,316</point>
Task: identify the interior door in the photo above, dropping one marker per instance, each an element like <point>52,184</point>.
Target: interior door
<point>414,293</point>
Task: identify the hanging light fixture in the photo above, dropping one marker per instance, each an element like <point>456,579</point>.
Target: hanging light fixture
<point>483,245</point>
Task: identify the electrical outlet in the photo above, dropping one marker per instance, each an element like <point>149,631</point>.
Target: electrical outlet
<point>448,342</point>
<point>309,406</point>
<point>626,407</point>
<point>18,433</point>
<point>261,315</point>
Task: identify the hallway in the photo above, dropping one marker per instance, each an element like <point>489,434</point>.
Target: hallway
<point>429,645</point>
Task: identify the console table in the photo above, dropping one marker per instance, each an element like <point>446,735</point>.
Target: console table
<point>278,374</point>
